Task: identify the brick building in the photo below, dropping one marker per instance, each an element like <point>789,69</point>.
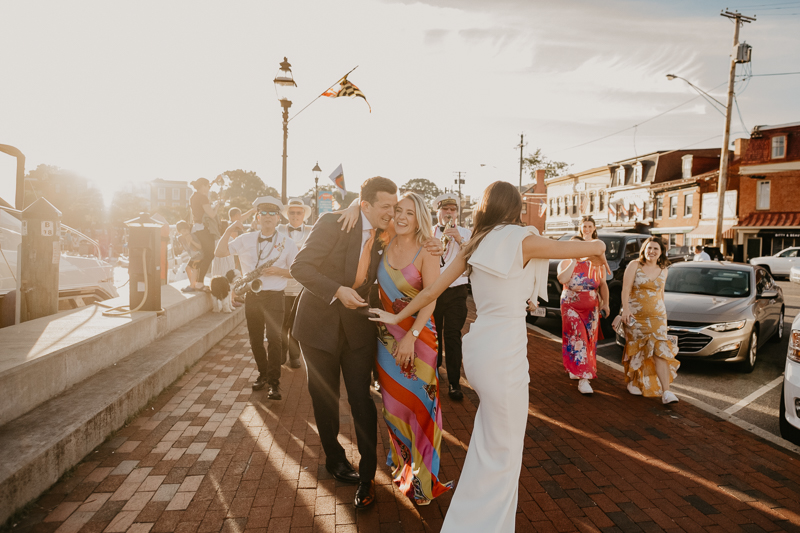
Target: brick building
<point>573,196</point>
<point>769,204</point>
<point>169,193</point>
<point>534,203</point>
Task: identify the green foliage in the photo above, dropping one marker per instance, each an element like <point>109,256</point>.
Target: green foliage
<point>537,161</point>
<point>241,189</point>
<point>80,204</point>
<point>125,206</point>
<point>426,188</point>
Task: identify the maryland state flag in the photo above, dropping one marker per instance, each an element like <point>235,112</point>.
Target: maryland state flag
<point>346,89</point>
<point>337,177</point>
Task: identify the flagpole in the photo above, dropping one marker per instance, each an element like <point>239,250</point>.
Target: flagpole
<point>317,98</point>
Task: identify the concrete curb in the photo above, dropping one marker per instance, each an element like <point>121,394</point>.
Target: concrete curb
<point>39,446</point>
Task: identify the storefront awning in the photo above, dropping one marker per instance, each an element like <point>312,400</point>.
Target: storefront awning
<point>765,221</point>
<point>708,230</point>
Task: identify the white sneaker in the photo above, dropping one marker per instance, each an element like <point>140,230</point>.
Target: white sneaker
<point>668,397</point>
<point>584,387</point>
<point>573,376</point>
<point>633,389</point>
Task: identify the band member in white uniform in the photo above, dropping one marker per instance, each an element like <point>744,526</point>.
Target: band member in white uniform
<point>296,212</point>
<point>271,253</point>
<point>451,307</point>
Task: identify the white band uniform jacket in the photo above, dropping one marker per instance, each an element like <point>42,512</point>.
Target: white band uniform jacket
<point>293,288</point>
<point>452,251</point>
<point>248,248</point>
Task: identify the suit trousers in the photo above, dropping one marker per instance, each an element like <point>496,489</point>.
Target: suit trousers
<point>264,310</point>
<point>290,344</point>
<point>323,384</point>
<point>450,315</point>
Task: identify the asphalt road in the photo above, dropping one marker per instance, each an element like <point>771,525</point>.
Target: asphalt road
<point>751,397</point>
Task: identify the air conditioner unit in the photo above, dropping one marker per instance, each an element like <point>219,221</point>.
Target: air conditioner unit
<point>743,51</point>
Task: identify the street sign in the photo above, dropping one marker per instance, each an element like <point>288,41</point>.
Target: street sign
<point>325,202</point>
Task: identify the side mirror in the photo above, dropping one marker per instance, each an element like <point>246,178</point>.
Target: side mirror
<point>768,295</point>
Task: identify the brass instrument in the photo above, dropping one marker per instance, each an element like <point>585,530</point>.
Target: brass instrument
<point>445,238</point>
<point>250,281</point>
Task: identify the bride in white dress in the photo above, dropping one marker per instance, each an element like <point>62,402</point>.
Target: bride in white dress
<point>507,264</point>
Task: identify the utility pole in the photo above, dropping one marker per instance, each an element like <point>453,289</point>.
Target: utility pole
<point>738,20</point>
<point>459,181</point>
<point>521,145</point>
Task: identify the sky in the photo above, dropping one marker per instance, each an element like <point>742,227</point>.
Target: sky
<point>129,91</point>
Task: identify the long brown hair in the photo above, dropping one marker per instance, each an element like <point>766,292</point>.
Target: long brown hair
<point>588,218</point>
<point>662,260</point>
<point>500,205</point>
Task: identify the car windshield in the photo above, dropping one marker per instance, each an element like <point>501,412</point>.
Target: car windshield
<point>613,244</point>
<point>709,281</point>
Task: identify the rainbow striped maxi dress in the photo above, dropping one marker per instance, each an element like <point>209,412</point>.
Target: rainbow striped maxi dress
<point>410,394</point>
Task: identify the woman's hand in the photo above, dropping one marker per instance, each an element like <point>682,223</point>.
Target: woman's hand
<point>607,309</point>
<point>434,247</point>
<point>626,317</point>
<point>383,316</point>
<point>349,217</point>
<point>404,351</point>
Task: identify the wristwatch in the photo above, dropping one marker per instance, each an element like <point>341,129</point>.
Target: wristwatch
<point>415,333</point>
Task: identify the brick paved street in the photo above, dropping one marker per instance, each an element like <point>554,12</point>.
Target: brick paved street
<point>211,455</point>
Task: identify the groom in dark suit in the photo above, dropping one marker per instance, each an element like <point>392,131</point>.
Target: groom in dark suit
<point>337,270</point>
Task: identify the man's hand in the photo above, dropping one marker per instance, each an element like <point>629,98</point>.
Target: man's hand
<point>453,234</point>
<point>434,247</point>
<point>350,298</point>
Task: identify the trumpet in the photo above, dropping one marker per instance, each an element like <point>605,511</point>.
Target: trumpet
<point>445,238</point>
<point>250,281</point>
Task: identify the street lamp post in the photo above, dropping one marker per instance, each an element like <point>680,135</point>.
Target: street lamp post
<point>284,84</point>
<point>459,180</point>
<point>316,170</point>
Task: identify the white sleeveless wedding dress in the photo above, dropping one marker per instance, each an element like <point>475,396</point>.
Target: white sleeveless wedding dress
<point>496,365</point>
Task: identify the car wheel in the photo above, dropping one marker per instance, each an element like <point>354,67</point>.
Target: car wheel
<point>778,336</point>
<point>749,362</point>
<point>788,431</point>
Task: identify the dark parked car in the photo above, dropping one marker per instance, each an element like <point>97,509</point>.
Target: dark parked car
<point>678,254</point>
<point>621,249</point>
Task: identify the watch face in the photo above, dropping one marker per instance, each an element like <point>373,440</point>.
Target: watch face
<point>415,332</point>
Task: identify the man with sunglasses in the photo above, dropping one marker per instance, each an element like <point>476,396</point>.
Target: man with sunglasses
<point>264,309</point>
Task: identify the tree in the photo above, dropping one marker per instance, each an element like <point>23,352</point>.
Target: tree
<point>241,188</point>
<point>537,161</point>
<point>426,188</point>
<point>126,205</point>
<point>81,206</point>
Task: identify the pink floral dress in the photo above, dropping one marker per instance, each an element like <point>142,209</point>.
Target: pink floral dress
<point>580,313</point>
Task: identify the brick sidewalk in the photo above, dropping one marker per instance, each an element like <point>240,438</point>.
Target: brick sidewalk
<point>210,455</point>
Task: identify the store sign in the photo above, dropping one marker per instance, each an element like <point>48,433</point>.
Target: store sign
<point>325,202</point>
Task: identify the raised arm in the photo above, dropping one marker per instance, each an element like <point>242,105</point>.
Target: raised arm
<point>427,295</point>
<point>222,249</point>
<point>536,247</point>
<point>565,270</point>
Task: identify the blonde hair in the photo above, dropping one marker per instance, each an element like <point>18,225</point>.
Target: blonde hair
<point>424,220</point>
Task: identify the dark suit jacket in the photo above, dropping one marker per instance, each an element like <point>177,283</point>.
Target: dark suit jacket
<point>328,260</point>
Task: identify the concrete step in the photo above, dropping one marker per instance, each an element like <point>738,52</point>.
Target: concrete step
<point>42,444</point>
<point>42,358</point>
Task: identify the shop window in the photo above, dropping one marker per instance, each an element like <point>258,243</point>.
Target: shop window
<point>779,147</point>
<point>688,199</point>
<point>574,204</point>
<point>591,202</point>
<point>673,206</point>
<point>659,207</point>
<point>632,211</point>
<point>762,194</point>
<point>601,201</point>
<point>673,239</point>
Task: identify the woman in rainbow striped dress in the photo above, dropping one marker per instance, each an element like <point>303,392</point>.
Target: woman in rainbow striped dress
<point>407,356</point>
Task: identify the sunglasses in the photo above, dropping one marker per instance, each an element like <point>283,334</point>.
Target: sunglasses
<point>270,213</point>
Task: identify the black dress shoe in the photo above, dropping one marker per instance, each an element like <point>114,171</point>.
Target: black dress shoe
<point>260,383</point>
<point>274,392</point>
<point>343,472</point>
<point>455,393</point>
<point>365,494</point>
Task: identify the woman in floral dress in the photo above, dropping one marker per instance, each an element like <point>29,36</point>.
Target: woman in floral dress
<point>649,359</point>
<point>580,314</point>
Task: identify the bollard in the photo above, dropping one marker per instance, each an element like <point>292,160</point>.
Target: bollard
<point>41,253</point>
<point>144,263</point>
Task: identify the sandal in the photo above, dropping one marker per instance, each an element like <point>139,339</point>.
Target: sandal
<point>188,289</point>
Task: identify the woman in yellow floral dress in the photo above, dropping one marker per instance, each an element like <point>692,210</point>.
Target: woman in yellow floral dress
<point>649,358</point>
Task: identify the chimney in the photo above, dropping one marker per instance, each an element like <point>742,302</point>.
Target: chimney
<point>540,187</point>
<point>739,148</point>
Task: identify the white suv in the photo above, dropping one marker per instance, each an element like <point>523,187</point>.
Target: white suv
<point>781,263</point>
<point>790,394</point>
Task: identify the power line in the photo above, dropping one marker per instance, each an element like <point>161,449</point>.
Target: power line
<point>635,125</point>
<point>775,74</point>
